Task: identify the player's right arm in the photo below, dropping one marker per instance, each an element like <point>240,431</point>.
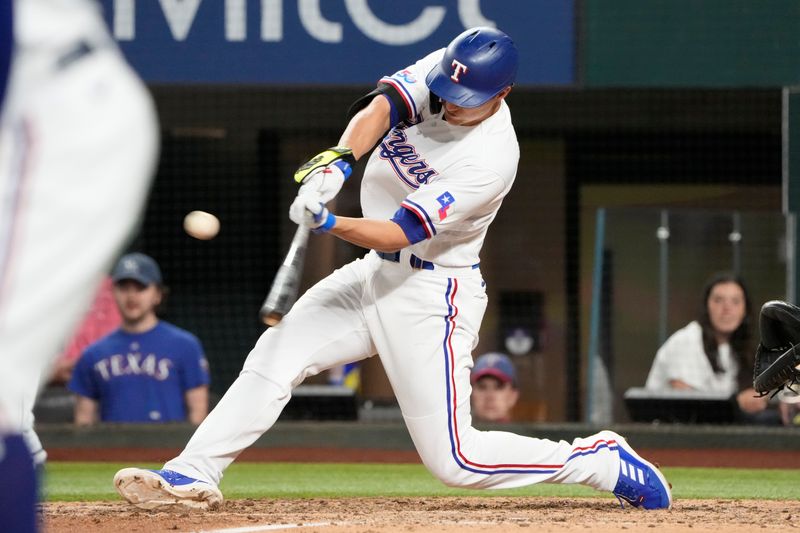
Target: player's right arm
<point>380,235</point>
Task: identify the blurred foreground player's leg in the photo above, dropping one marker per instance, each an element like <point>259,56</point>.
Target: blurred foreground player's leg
<point>17,476</point>
<point>78,143</point>
<point>18,485</point>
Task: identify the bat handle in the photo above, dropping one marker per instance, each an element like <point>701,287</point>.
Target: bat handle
<point>299,242</point>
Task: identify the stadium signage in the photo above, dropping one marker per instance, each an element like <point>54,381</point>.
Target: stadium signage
<point>296,41</point>
<point>180,15</point>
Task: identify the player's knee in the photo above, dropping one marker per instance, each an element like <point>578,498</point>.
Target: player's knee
<point>452,474</point>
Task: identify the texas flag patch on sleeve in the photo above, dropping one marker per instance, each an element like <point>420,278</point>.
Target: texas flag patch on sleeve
<point>445,201</point>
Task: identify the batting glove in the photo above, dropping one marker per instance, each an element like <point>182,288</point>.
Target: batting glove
<point>326,172</point>
<point>309,211</point>
<point>326,182</point>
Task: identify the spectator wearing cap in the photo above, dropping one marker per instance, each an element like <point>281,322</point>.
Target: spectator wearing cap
<point>494,388</point>
<point>147,370</point>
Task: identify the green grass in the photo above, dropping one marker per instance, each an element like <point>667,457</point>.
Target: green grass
<point>92,481</point>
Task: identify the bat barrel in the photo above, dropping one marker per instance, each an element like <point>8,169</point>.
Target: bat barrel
<point>283,292</point>
<point>271,318</point>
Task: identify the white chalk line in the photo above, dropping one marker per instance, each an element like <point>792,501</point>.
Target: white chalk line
<point>276,527</point>
<point>271,527</point>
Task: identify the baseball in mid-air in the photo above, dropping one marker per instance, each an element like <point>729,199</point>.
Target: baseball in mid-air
<point>201,225</point>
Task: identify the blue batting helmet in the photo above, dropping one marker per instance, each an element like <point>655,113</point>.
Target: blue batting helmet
<point>476,65</point>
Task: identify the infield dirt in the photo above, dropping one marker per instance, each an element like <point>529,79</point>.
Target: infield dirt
<point>445,514</point>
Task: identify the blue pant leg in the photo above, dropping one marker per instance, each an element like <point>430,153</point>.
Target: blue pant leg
<point>6,45</point>
<point>17,487</point>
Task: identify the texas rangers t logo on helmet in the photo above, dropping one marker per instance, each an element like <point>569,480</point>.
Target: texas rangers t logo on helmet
<point>459,68</point>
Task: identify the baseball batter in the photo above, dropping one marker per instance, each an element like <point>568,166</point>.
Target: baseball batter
<point>446,158</point>
<point>78,142</point>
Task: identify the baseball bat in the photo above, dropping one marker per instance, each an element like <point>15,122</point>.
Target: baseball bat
<point>283,292</point>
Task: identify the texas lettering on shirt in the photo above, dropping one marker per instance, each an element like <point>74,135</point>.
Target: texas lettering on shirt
<point>133,364</point>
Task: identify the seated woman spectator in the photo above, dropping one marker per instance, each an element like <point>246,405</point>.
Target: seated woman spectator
<point>711,354</point>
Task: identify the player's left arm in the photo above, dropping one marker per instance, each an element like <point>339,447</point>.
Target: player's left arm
<point>367,127</point>
<point>325,173</point>
<point>398,97</point>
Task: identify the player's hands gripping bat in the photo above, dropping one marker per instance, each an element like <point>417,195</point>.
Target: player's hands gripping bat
<point>325,173</point>
<point>321,178</point>
<point>284,288</point>
<point>778,353</point>
<point>308,210</point>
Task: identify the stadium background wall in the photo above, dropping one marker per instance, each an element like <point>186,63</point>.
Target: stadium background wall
<point>674,106</point>
<point>230,150</point>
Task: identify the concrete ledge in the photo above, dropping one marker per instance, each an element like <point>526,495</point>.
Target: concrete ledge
<point>394,436</point>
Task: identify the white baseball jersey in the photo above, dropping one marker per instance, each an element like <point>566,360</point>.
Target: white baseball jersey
<point>452,179</point>
<point>78,144</point>
<point>420,310</point>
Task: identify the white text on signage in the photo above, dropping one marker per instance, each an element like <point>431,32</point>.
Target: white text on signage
<point>180,16</point>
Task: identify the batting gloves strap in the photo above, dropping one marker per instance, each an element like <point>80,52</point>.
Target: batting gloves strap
<point>326,182</point>
<point>341,154</point>
<point>324,220</point>
<point>308,210</point>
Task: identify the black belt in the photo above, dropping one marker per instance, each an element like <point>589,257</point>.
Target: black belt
<point>413,260</point>
<point>79,51</point>
<point>389,256</point>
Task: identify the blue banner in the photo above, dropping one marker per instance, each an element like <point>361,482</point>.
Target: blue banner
<point>328,42</point>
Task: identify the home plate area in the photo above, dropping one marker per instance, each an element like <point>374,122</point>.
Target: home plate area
<point>441,514</point>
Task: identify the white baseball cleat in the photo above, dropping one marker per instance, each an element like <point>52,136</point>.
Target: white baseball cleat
<point>150,489</point>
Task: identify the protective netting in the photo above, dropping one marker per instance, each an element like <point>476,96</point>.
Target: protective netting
<point>232,151</point>
<point>708,160</point>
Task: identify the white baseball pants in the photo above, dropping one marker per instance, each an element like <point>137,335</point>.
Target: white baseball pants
<point>424,324</point>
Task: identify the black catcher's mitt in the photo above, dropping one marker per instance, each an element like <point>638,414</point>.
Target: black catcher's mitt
<point>778,352</point>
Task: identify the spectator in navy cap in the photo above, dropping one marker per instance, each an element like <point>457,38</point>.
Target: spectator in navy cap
<point>138,267</point>
<point>147,370</point>
<point>494,388</point>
